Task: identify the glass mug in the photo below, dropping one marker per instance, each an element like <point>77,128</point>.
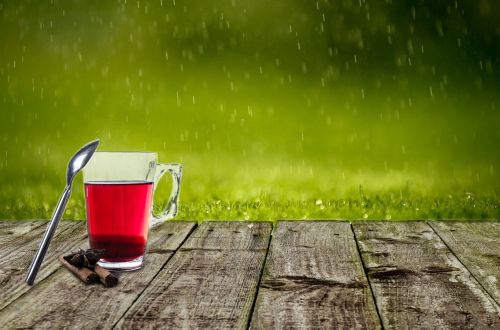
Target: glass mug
<point>119,189</point>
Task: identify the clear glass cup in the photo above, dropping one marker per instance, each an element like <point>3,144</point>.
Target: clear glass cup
<point>119,188</point>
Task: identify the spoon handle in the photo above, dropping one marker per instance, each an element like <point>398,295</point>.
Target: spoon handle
<point>49,233</point>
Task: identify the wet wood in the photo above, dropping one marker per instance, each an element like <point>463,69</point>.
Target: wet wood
<point>18,232</point>
<point>314,278</point>
<point>16,257</point>
<point>477,246</point>
<point>11,230</point>
<point>417,281</point>
<point>218,235</point>
<point>65,302</point>
<point>210,282</point>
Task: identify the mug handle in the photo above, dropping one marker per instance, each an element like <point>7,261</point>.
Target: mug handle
<point>173,201</point>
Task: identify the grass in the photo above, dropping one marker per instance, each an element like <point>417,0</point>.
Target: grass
<point>377,207</point>
<point>299,153</point>
<point>291,156</point>
<point>267,194</point>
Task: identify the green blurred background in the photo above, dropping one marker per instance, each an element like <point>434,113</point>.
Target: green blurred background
<point>277,109</point>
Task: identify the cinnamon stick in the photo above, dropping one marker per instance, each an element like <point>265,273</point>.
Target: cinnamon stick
<point>106,277</point>
<point>84,274</point>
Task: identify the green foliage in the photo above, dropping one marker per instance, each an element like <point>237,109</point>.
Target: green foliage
<point>278,109</point>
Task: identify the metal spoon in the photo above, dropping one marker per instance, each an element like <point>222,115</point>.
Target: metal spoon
<point>76,163</point>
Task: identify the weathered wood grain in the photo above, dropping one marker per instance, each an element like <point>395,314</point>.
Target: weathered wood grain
<point>418,283</point>
<point>477,246</point>
<point>314,278</point>
<point>229,236</point>
<point>62,301</point>
<point>11,230</point>
<point>14,225</point>
<point>210,282</point>
<point>17,256</point>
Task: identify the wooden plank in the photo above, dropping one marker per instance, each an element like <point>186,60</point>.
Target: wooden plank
<point>6,225</point>
<point>62,301</point>
<point>11,230</point>
<point>477,246</point>
<point>17,256</point>
<point>314,278</point>
<point>213,235</point>
<point>210,282</point>
<point>418,283</point>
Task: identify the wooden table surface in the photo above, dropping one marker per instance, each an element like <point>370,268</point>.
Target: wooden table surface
<point>302,274</point>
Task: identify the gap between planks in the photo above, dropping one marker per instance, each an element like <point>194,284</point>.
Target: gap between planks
<point>418,282</point>
<point>45,309</point>
<point>365,268</point>
<point>252,309</point>
<point>15,286</point>
<point>313,278</point>
<point>156,275</point>
<point>490,283</point>
<point>201,288</point>
<point>365,271</point>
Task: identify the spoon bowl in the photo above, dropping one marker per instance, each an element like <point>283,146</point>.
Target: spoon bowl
<point>79,160</point>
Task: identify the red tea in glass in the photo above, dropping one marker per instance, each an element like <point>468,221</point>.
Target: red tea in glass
<point>119,189</point>
<point>118,218</point>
